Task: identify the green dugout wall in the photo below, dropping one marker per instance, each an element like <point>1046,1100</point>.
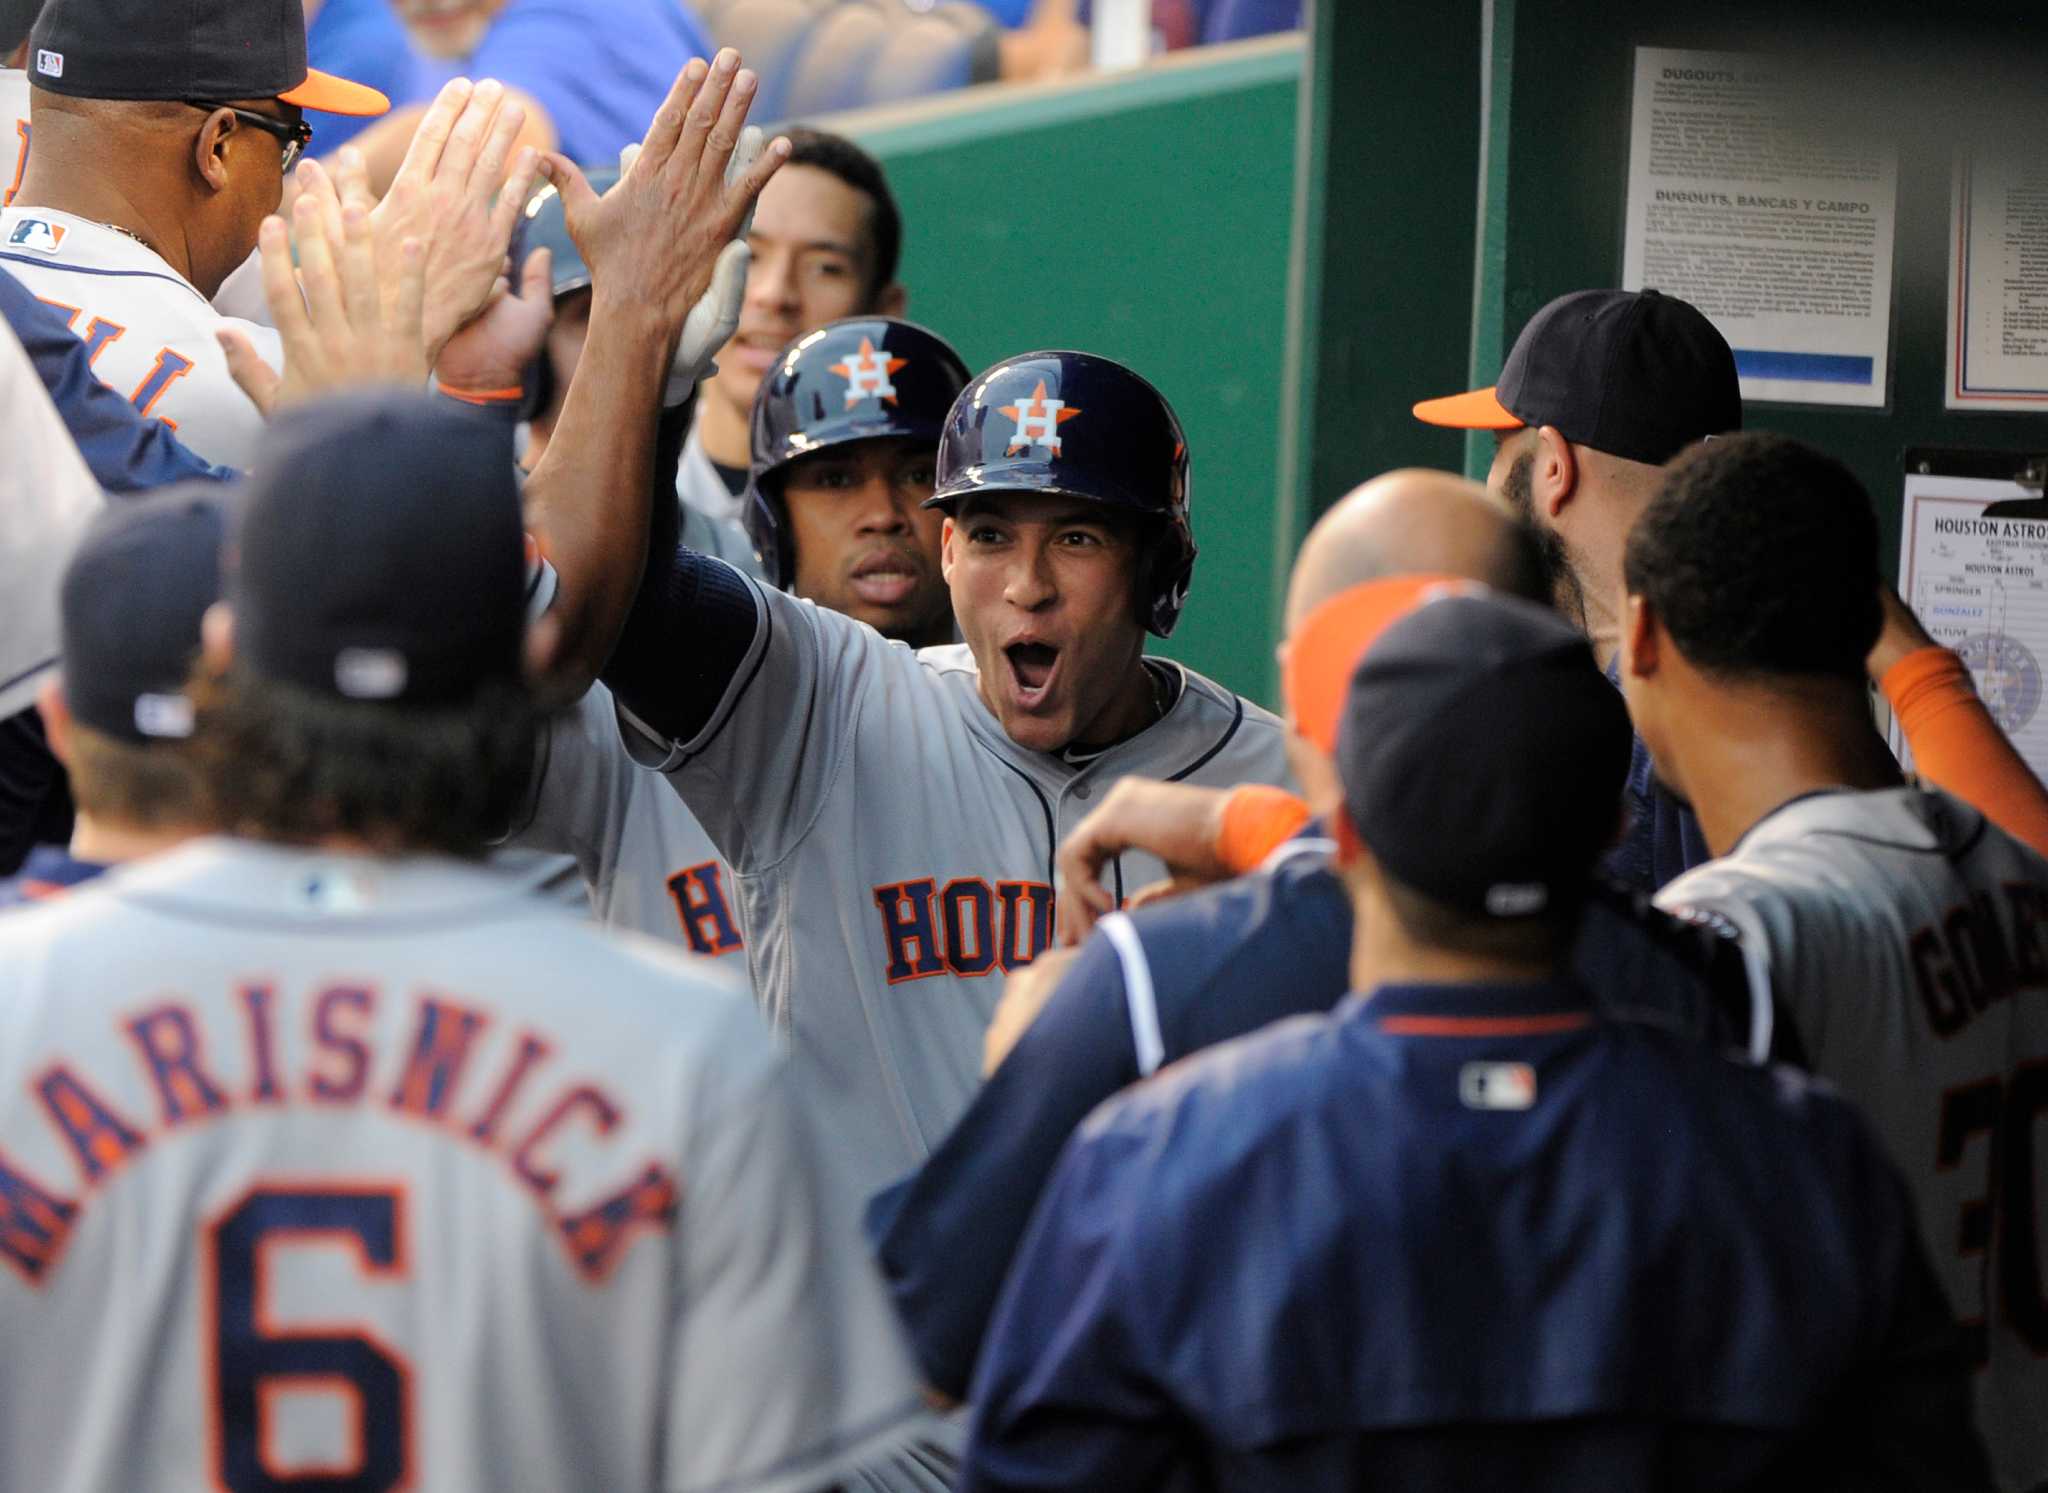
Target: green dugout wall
<point>1144,216</point>
<point>1298,238</point>
<point>1554,178</point>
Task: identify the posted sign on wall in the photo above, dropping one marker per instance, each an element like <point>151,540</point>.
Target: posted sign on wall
<point>1742,200</point>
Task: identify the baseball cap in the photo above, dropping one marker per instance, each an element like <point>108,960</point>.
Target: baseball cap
<point>186,49</point>
<point>1320,655</point>
<point>131,602</point>
<point>1483,754</point>
<point>1634,373</point>
<point>381,555</point>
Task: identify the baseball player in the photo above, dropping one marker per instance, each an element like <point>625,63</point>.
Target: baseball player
<point>111,222</point>
<point>117,716</point>
<point>843,451</point>
<point>1165,981</point>
<point>1466,1230</point>
<point>1601,389</point>
<point>328,1165</point>
<point>823,246</point>
<point>891,815</point>
<point>1905,936</point>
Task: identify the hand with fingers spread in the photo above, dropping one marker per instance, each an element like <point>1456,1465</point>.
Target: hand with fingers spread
<point>657,237</point>
<point>459,193</point>
<point>716,316</point>
<point>654,244</point>
<point>338,330</point>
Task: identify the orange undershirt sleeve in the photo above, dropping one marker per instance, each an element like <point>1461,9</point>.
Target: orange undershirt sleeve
<point>1257,820</point>
<point>1960,749</point>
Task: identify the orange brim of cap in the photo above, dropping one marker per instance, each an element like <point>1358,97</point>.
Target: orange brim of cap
<point>1479,410</point>
<point>1326,649</point>
<point>332,95</point>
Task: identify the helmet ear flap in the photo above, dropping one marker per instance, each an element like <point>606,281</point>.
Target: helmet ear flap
<point>1163,576</point>
<point>1175,572</point>
<point>767,524</point>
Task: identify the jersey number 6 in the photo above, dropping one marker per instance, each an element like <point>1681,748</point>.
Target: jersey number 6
<point>254,1361</point>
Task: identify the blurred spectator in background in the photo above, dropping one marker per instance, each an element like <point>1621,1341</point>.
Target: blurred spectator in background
<point>825,242</point>
<point>363,39</point>
<point>590,72</point>
<point>1175,23</point>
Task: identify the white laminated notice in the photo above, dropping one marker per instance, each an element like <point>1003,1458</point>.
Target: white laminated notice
<point>1745,199</point>
<point>1997,350</point>
<point>1980,585</point>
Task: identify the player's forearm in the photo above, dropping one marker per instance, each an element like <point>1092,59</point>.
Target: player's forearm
<point>1958,747</point>
<point>688,606</point>
<point>690,631</point>
<point>589,499</point>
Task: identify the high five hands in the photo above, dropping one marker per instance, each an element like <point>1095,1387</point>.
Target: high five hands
<point>383,291</point>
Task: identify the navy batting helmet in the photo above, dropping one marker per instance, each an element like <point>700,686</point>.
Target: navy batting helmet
<point>545,226</point>
<point>853,380</point>
<point>1085,427</point>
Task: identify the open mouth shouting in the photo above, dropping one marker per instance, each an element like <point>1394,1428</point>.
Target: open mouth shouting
<point>1034,665</point>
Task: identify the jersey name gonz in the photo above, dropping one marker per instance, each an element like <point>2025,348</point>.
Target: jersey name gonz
<point>508,1110</point>
<point>967,927</point>
<point>1970,963</point>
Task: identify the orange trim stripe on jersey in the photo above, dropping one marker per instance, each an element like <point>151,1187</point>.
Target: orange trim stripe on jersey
<point>1486,1026</point>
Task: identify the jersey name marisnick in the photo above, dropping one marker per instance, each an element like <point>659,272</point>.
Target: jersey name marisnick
<point>512,1109</point>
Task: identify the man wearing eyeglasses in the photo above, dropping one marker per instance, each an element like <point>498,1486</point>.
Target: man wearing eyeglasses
<point>162,138</point>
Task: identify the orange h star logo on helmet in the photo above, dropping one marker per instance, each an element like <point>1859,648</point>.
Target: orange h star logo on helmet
<point>867,374</point>
<point>1038,421</point>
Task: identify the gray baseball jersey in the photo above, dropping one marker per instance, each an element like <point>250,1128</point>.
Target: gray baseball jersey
<point>331,1171</point>
<point>1907,939</point>
<point>893,852</point>
<point>703,491</point>
<point>722,538</point>
<point>147,329</point>
<point>649,864</point>
<point>14,131</point>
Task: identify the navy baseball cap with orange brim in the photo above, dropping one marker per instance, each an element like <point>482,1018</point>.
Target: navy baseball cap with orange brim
<point>1633,373</point>
<point>191,51</point>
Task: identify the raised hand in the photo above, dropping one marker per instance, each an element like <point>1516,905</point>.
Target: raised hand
<point>656,236</point>
<point>488,358</point>
<point>454,194</point>
<point>339,329</point>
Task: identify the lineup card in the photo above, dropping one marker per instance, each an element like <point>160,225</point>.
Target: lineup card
<point>1980,586</point>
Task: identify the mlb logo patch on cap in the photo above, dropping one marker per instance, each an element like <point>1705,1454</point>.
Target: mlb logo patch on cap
<point>50,64</point>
